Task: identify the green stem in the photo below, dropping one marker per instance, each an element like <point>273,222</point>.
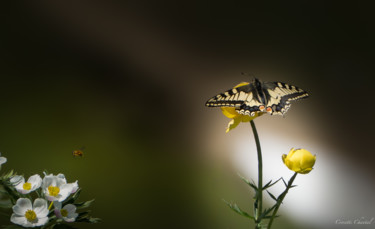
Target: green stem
<point>50,206</point>
<point>280,200</point>
<point>259,195</point>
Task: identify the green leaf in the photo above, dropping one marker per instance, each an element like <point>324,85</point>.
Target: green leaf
<point>269,184</point>
<point>286,185</point>
<point>73,197</point>
<point>235,208</point>
<point>84,204</point>
<point>92,220</point>
<point>76,194</point>
<point>266,211</point>
<point>251,184</point>
<point>6,176</point>
<point>6,204</point>
<point>266,185</point>
<point>272,196</point>
<point>85,217</point>
<point>82,215</point>
<point>11,191</point>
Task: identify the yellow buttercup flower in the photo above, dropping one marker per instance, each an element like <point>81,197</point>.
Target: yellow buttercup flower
<point>237,118</point>
<point>299,160</point>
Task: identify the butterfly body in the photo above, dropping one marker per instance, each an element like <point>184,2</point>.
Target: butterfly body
<point>256,96</point>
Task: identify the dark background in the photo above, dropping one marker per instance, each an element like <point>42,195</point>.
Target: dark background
<point>128,81</point>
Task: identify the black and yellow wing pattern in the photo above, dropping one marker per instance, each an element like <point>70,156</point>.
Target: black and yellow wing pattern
<point>270,97</point>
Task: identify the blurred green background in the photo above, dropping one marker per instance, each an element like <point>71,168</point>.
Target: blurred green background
<point>128,81</point>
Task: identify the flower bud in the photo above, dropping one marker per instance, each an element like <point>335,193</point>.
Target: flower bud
<point>299,160</point>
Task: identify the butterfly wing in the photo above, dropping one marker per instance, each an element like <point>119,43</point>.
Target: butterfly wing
<point>271,97</point>
<point>232,98</point>
<point>244,98</point>
<point>279,95</point>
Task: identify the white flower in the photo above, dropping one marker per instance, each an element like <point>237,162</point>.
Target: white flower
<point>27,215</point>
<point>2,160</point>
<point>67,213</point>
<point>75,186</point>
<point>56,188</point>
<point>23,187</point>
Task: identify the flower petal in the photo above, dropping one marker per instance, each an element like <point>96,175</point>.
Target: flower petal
<point>62,177</point>
<point>70,208</point>
<point>23,191</point>
<point>17,219</point>
<point>248,118</point>
<point>57,205</point>
<point>35,181</point>
<point>22,205</point>
<point>75,186</point>
<point>283,157</point>
<point>65,191</point>
<point>41,221</point>
<point>308,160</point>
<point>233,124</point>
<point>40,207</point>
<point>57,209</point>
<point>17,180</point>
<point>2,160</point>
<point>299,160</point>
<point>51,198</point>
<point>230,112</point>
<point>58,213</point>
<point>48,180</point>
<point>71,218</point>
<point>304,171</point>
<point>72,215</point>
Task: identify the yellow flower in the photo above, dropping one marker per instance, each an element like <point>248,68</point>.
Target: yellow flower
<point>231,113</point>
<point>299,160</point>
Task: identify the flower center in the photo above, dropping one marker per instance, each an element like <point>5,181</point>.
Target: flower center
<point>53,190</point>
<point>30,215</point>
<point>27,186</point>
<point>64,212</point>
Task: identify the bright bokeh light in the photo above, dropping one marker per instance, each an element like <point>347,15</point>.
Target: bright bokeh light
<point>311,202</point>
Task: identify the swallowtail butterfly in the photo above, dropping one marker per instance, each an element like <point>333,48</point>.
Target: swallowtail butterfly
<point>270,97</point>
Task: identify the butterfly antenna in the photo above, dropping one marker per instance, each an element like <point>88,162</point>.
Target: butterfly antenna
<point>249,74</point>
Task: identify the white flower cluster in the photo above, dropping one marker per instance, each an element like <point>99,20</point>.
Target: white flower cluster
<point>53,189</point>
